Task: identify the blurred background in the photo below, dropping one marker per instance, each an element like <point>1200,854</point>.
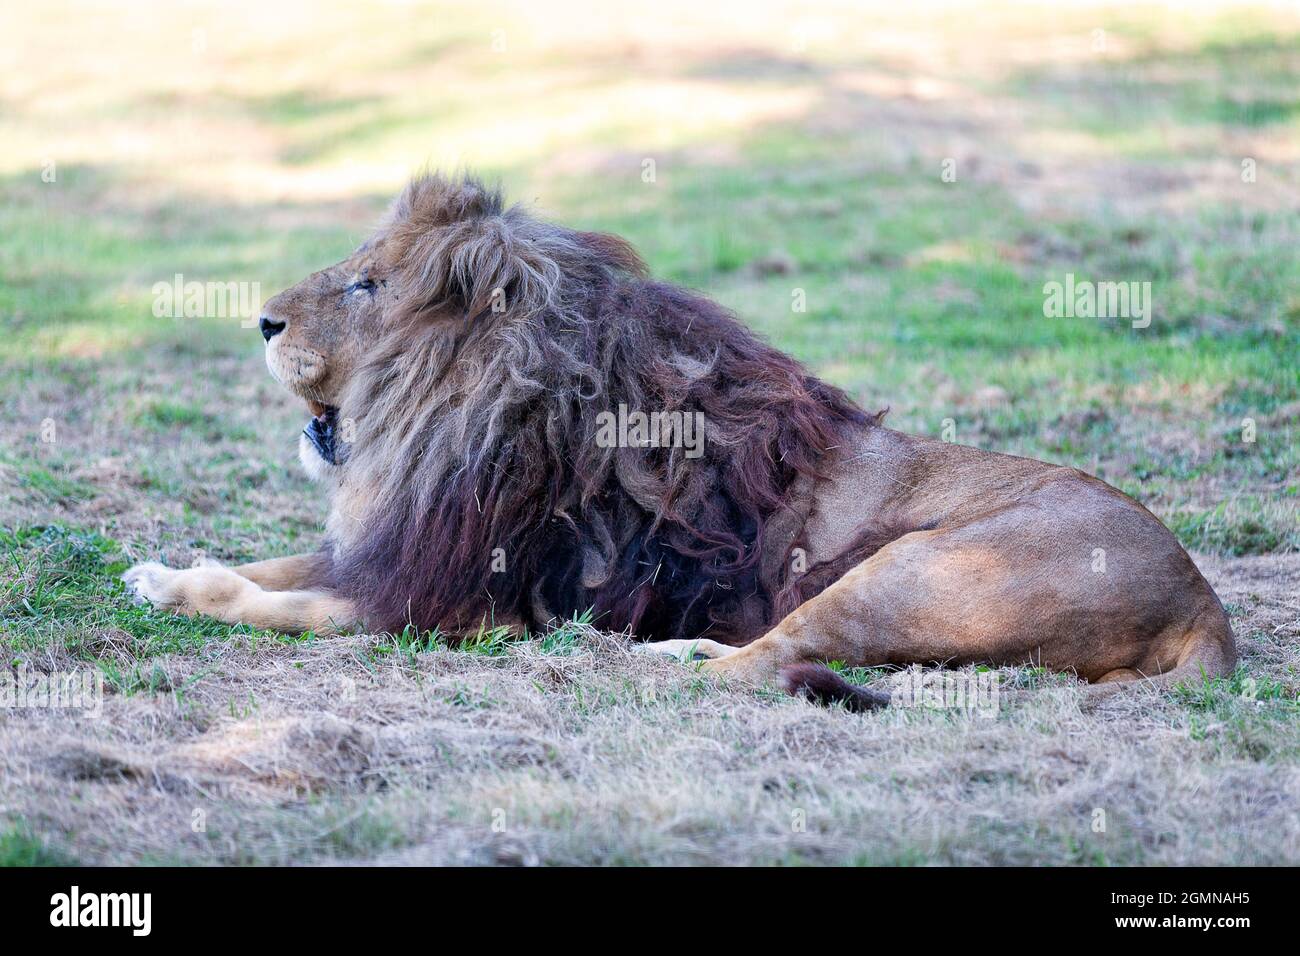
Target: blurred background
<point>914,173</point>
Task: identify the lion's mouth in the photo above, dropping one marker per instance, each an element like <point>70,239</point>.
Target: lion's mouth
<point>320,430</point>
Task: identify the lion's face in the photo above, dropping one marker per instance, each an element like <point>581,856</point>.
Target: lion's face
<point>316,335</point>
<point>316,331</point>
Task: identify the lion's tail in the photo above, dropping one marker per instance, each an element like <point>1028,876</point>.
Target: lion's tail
<point>821,684</point>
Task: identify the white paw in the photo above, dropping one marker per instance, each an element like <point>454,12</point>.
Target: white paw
<point>684,651</point>
<point>152,583</point>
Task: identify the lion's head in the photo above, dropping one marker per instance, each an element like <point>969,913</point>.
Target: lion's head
<point>319,332</point>
<point>461,368</point>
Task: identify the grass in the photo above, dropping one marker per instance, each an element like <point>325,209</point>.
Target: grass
<point>63,587</point>
<point>794,159</point>
<point>19,847</point>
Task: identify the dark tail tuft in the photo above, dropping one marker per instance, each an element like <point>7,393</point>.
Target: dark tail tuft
<point>821,684</point>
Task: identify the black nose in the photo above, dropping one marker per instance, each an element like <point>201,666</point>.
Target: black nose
<point>269,328</point>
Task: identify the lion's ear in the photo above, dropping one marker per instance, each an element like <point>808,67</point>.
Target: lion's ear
<point>480,266</point>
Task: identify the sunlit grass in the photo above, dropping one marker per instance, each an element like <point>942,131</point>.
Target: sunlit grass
<point>788,153</point>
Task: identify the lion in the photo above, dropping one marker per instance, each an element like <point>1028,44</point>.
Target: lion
<point>461,370</point>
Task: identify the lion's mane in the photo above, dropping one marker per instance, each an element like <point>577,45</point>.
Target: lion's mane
<point>476,436</point>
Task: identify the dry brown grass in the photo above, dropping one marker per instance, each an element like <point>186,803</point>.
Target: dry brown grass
<point>333,750</point>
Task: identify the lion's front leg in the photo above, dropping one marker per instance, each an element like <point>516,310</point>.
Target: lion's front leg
<point>221,593</point>
<point>698,649</point>
<point>297,572</point>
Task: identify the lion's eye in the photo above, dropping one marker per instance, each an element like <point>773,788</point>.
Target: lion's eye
<point>361,285</point>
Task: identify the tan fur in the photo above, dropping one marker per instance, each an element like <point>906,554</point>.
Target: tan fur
<point>220,592</point>
<point>1007,577</point>
<point>296,572</point>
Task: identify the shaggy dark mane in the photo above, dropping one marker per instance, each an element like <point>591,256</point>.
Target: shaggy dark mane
<point>477,435</point>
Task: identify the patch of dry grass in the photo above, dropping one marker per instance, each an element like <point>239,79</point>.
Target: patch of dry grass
<point>349,749</point>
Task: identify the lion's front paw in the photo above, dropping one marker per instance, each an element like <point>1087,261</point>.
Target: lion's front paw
<point>678,649</point>
<point>698,649</point>
<point>154,583</point>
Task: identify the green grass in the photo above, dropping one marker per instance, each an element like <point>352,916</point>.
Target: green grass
<point>50,486</point>
<point>63,587</point>
<point>19,846</point>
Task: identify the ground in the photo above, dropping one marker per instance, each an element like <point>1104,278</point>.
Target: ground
<point>912,177</point>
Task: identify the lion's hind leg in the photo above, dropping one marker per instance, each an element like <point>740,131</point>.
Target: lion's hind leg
<point>872,616</point>
<point>1208,650</point>
<point>219,592</point>
<point>1009,588</point>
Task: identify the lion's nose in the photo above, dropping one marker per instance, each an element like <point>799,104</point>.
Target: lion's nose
<point>270,328</point>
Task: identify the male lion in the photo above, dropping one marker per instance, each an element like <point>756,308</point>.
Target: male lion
<point>456,367</point>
